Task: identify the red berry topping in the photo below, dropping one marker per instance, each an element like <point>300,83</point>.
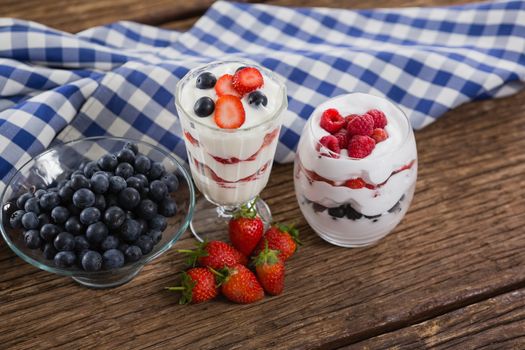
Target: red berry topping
<point>361,146</point>
<point>348,118</point>
<point>379,135</point>
<point>362,125</point>
<point>356,183</point>
<point>332,121</point>
<point>342,137</point>
<point>331,142</point>
<point>229,112</point>
<point>378,117</point>
<point>247,80</point>
<point>224,86</point>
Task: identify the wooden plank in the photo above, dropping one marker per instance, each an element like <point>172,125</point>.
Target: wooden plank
<point>496,323</point>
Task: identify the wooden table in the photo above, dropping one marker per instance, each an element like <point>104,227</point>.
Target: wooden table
<point>451,275</point>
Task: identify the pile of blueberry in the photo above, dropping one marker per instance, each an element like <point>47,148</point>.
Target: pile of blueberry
<point>352,214</point>
<point>103,215</point>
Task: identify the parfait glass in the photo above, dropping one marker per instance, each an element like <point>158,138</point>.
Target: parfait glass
<point>230,167</point>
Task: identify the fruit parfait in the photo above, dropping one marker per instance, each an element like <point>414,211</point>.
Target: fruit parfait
<point>230,114</point>
<point>356,168</point>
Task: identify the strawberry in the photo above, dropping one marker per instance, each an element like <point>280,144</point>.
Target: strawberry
<point>332,121</point>
<point>379,135</point>
<point>282,238</point>
<point>246,229</point>
<point>332,143</point>
<point>362,125</point>
<point>356,183</point>
<point>270,270</point>
<point>239,284</point>
<point>378,117</point>
<point>198,286</point>
<point>360,146</point>
<point>224,86</point>
<point>214,254</point>
<point>229,112</point>
<point>247,80</point>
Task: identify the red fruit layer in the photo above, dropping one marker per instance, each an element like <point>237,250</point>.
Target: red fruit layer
<point>209,173</point>
<point>268,139</point>
<point>355,183</point>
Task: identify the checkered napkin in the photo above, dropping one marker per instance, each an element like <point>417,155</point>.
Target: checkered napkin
<point>119,79</point>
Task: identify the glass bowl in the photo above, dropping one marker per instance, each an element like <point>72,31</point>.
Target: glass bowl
<point>53,165</point>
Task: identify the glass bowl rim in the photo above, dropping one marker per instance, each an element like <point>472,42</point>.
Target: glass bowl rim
<point>135,265</point>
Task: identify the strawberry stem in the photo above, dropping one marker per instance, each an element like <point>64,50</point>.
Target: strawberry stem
<point>174,289</point>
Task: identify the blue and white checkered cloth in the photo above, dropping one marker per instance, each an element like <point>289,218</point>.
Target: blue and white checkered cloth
<point>119,79</point>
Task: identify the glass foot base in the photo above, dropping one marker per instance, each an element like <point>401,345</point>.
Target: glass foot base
<point>211,222</point>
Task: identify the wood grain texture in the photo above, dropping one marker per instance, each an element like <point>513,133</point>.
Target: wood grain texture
<point>496,323</point>
<point>459,248</point>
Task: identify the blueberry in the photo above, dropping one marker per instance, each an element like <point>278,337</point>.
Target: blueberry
<point>66,194</point>
<point>49,200</point>
<point>147,209</point>
<point>111,242</point>
<point>99,183</point>
<point>60,214</point>
<point>158,190</point>
<point>64,241</point>
<point>100,202</point>
<point>113,259</point>
<point>143,179</point>
<point>90,168</point>
<point>143,224</point>
<point>111,200</point>
<point>79,181</point>
<point>108,162</point>
<point>81,243</point>
<point>133,253</point>
<point>145,243</point>
<point>171,181</point>
<point>73,210</point>
<point>204,107</point>
<point>49,251</point>
<point>117,184</point>
<point>156,171</point>
<point>61,183</point>
<point>124,170</point>
<point>32,239</point>
<point>29,221</point>
<point>155,235</point>
<point>74,225</point>
<point>81,166</point>
<point>337,212</point>
<point>158,222</point>
<point>130,230</point>
<point>238,69</point>
<point>83,198</point>
<point>32,205</point>
<point>128,198</point>
<point>206,80</point>
<point>257,98</point>
<point>123,246</point>
<point>114,217</point>
<point>48,232</point>
<point>78,172</point>
<point>43,219</point>
<point>39,193</point>
<point>135,183</point>
<point>168,207</point>
<point>89,216</point>
<point>91,261</point>
<point>126,155</point>
<point>22,200</point>
<point>65,259</point>
<point>97,232</point>
<point>351,213</point>
<point>142,164</point>
<point>16,219</point>
<point>131,146</point>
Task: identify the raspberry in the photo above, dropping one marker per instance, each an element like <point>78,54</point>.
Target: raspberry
<point>379,135</point>
<point>360,146</point>
<point>349,117</point>
<point>356,183</point>
<point>378,117</point>
<point>332,121</point>
<point>342,138</point>
<point>362,125</point>
<point>331,142</point>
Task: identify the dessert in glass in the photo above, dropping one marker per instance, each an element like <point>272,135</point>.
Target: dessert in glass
<point>231,115</point>
<point>355,170</point>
